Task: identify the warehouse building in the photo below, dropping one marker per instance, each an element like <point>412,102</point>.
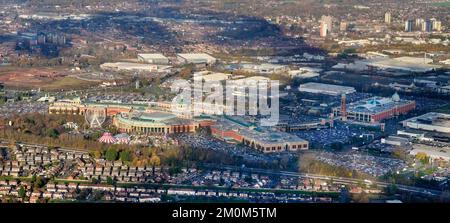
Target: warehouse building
<point>136,67</point>
<point>196,58</point>
<point>264,68</point>
<point>409,64</point>
<point>328,89</point>
<point>208,76</point>
<point>153,58</point>
<point>434,122</point>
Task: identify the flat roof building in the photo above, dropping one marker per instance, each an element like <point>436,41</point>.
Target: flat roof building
<point>196,58</point>
<point>153,58</point>
<point>138,67</point>
<point>411,64</point>
<point>262,140</point>
<point>264,68</point>
<point>434,122</point>
<point>305,72</point>
<point>210,76</point>
<point>400,64</point>
<point>328,89</point>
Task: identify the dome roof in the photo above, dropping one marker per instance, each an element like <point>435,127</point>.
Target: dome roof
<point>374,102</point>
<point>396,97</point>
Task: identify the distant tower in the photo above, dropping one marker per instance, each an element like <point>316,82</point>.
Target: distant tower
<point>344,107</point>
<point>137,84</point>
<point>329,21</point>
<point>323,29</point>
<point>326,25</point>
<point>427,26</point>
<point>419,22</point>
<point>409,25</point>
<point>387,18</point>
<point>437,25</point>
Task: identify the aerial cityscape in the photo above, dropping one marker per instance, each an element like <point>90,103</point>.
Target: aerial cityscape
<point>224,101</point>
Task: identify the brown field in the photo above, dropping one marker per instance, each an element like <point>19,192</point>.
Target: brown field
<point>68,83</point>
<point>29,77</point>
<point>45,78</point>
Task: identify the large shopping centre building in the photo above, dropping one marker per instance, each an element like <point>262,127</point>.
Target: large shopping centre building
<point>142,118</point>
<point>157,118</point>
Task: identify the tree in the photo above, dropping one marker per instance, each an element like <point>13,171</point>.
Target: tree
<point>110,181</point>
<point>97,154</point>
<point>95,135</point>
<point>125,156</point>
<point>52,133</point>
<point>33,179</point>
<point>154,161</point>
<point>40,182</point>
<point>186,71</point>
<point>422,157</point>
<point>111,154</point>
<point>22,192</point>
<point>157,81</point>
<point>95,181</point>
<point>398,153</point>
<point>391,189</point>
<point>97,195</point>
<point>337,146</point>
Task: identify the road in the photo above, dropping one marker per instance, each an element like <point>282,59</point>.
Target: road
<point>343,180</point>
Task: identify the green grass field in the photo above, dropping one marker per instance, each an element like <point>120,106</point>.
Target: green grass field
<point>442,4</point>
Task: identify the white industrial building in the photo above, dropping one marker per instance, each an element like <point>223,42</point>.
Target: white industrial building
<point>196,58</point>
<point>435,122</point>
<point>412,64</point>
<point>328,89</point>
<point>305,72</point>
<point>404,64</point>
<point>395,141</point>
<point>208,76</point>
<point>153,58</point>
<point>137,67</point>
<point>264,68</point>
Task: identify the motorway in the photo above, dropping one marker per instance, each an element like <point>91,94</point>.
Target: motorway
<point>342,180</point>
